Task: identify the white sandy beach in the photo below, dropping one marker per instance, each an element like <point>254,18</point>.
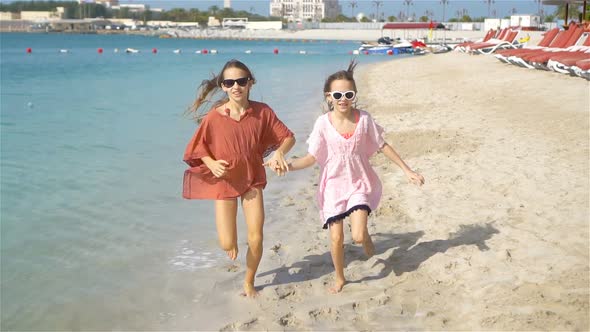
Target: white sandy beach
<point>497,238</point>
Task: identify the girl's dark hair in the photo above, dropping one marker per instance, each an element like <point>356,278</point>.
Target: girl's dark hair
<point>347,74</point>
<point>211,86</point>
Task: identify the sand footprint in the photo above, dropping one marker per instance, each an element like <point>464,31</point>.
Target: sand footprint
<point>288,320</point>
<point>409,308</point>
<point>325,314</point>
<point>289,293</point>
<point>235,326</point>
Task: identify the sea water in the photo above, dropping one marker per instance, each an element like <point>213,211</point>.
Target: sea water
<point>91,164</point>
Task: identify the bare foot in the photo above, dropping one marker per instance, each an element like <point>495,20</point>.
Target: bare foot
<point>369,247</point>
<point>338,284</point>
<point>232,253</point>
<point>249,290</point>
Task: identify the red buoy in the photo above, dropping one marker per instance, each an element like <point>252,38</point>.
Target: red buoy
<point>205,51</point>
<point>29,50</point>
<point>99,50</point>
<point>389,52</point>
<point>276,51</point>
<point>154,50</point>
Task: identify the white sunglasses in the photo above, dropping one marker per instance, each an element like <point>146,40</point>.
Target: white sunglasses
<point>337,95</point>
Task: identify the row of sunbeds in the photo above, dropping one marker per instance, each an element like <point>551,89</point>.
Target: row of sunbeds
<point>561,50</point>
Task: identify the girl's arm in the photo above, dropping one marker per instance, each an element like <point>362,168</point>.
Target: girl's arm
<point>301,163</point>
<point>217,167</point>
<point>390,153</point>
<point>277,162</point>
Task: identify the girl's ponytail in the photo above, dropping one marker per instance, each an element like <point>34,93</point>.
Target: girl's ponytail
<point>351,67</point>
<point>347,74</point>
<point>207,87</point>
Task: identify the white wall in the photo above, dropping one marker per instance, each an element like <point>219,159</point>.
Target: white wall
<point>264,25</point>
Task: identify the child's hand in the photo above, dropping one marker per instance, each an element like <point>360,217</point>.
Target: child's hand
<point>218,167</point>
<point>277,163</point>
<point>415,178</point>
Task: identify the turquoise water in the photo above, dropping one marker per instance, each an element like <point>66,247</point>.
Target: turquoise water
<point>91,164</point>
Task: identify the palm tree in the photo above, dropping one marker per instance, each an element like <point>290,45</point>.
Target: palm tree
<point>539,4</point>
<point>444,3</point>
<point>566,11</point>
<point>408,3</point>
<point>377,4</point>
<point>489,2</point>
<point>352,5</point>
<point>213,10</point>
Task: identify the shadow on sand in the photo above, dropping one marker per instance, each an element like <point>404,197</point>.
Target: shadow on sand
<point>406,257</point>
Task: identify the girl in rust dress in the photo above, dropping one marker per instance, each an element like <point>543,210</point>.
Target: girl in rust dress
<point>225,158</point>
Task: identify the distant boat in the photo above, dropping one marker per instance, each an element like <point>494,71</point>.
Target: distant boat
<point>178,51</point>
<point>438,49</point>
<point>378,48</point>
<point>63,50</point>
<point>131,50</point>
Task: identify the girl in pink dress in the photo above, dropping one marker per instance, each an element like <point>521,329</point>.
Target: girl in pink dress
<point>341,142</point>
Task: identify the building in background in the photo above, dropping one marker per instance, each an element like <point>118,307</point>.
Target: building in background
<point>106,3</point>
<point>226,3</point>
<point>305,10</point>
<point>133,8</point>
<point>43,15</point>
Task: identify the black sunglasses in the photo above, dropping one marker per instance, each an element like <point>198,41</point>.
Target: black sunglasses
<point>230,83</point>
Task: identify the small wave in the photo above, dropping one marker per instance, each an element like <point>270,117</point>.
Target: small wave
<point>105,147</point>
<point>189,259</point>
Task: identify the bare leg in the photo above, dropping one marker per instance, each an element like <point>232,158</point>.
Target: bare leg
<point>225,219</point>
<point>360,233</point>
<point>253,205</point>
<point>337,242</point>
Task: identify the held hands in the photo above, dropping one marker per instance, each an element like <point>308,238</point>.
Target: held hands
<point>278,163</point>
<point>414,177</point>
<point>218,167</point>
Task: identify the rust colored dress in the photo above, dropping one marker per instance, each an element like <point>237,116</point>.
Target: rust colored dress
<point>241,143</point>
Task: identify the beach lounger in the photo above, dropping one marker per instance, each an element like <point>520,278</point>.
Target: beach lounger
<point>510,41</point>
<point>541,61</point>
<point>562,41</point>
<point>565,63</point>
<point>582,68</point>
<point>492,41</point>
<point>548,37</point>
<point>489,35</point>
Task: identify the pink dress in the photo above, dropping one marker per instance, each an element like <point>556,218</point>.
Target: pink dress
<point>347,179</point>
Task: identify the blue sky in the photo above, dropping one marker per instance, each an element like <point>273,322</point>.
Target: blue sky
<point>474,8</point>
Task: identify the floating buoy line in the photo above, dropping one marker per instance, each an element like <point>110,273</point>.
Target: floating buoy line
<point>206,51</point>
